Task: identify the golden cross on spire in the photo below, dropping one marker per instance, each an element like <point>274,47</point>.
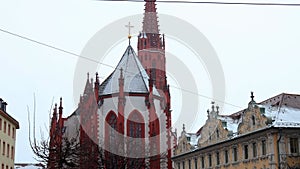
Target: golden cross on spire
<point>129,28</point>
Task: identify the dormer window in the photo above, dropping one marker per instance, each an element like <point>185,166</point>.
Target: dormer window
<point>224,124</point>
<point>188,138</point>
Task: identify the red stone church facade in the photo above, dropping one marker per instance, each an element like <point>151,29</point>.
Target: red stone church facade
<point>128,115</point>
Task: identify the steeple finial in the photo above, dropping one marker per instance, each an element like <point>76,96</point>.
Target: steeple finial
<point>60,106</point>
<point>213,105</point>
<point>129,33</point>
<point>60,102</point>
<point>97,78</point>
<point>252,96</point>
<point>55,111</point>
<point>183,127</point>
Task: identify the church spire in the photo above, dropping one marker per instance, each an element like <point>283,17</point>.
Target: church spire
<point>150,22</point>
<point>151,46</point>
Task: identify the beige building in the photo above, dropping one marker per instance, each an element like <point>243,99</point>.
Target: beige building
<point>8,126</point>
<point>265,135</point>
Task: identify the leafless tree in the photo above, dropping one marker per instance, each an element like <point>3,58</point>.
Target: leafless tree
<point>59,153</point>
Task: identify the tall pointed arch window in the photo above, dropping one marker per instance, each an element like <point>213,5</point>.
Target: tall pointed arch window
<point>110,140</point>
<point>135,142</point>
<point>136,125</point>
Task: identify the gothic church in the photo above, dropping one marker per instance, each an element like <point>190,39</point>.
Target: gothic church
<point>128,115</point>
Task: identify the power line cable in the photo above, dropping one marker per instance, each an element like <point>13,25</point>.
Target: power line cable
<point>214,2</point>
<point>104,64</point>
<point>53,47</point>
<point>204,96</point>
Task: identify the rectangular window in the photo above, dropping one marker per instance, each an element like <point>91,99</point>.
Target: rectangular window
<point>218,158</point>
<point>3,148</point>
<point>209,160</point>
<point>178,164</point>
<point>190,164</point>
<point>12,152</point>
<point>202,162</point>
<point>0,124</point>
<point>254,150</point>
<point>263,147</point>
<point>294,145</point>
<point>235,154</point>
<point>2,166</point>
<point>8,130</point>
<point>183,165</point>
<point>7,155</point>
<point>195,161</point>
<point>4,130</point>
<point>245,152</point>
<point>226,156</point>
<point>13,132</point>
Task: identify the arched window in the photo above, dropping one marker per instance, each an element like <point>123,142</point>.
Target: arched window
<point>136,125</point>
<point>110,127</point>
<point>110,140</point>
<point>135,143</point>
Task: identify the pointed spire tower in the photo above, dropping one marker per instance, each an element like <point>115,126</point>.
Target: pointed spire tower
<point>151,46</point>
<point>151,53</point>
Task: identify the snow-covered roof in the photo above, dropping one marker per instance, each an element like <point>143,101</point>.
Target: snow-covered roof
<point>193,138</point>
<point>136,79</point>
<point>28,166</point>
<point>232,122</point>
<point>283,116</point>
<point>283,110</point>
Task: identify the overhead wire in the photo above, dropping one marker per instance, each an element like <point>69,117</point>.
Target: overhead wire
<point>213,2</point>
<point>104,64</point>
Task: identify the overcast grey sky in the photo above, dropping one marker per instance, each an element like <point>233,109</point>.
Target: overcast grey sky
<point>258,48</point>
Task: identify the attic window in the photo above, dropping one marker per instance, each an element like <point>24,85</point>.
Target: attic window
<point>188,138</point>
<point>253,120</point>
<point>262,110</point>
<point>224,124</point>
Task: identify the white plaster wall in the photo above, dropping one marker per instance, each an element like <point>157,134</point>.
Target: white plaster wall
<point>133,103</point>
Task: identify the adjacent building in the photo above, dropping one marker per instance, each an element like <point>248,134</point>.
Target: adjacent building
<point>8,127</point>
<point>264,135</point>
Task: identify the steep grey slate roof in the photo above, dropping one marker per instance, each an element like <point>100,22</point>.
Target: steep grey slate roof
<point>135,76</point>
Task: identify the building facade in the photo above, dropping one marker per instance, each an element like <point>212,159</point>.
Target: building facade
<point>265,135</point>
<point>8,127</point>
<point>125,121</point>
